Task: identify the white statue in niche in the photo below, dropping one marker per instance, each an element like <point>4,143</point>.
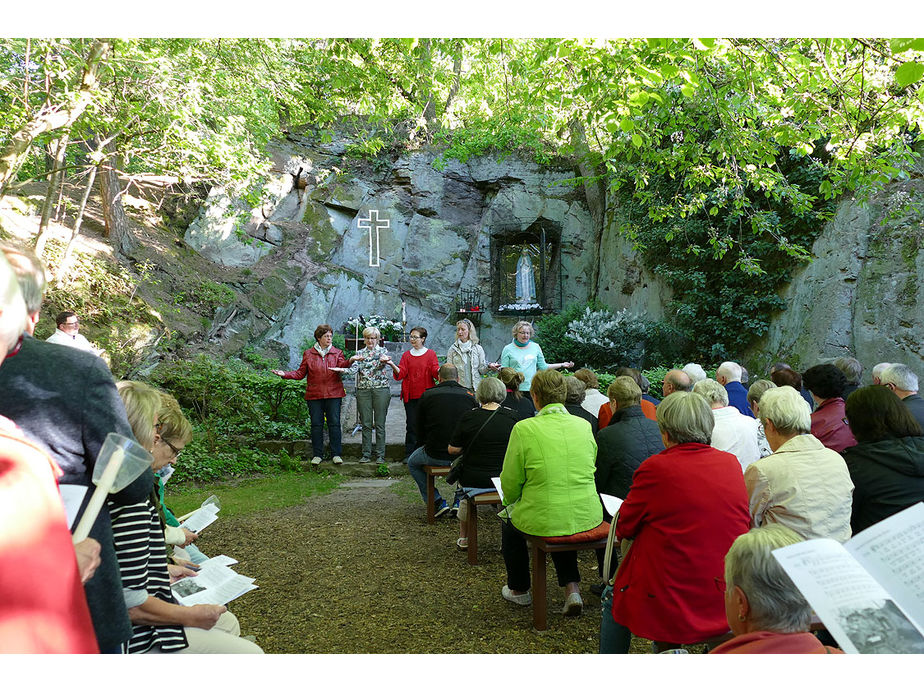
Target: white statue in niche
<point>526,279</point>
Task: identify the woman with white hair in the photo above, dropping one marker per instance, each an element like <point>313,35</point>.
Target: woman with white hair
<point>525,355</point>
<point>467,355</point>
<point>481,435</point>
<point>765,610</point>
<point>373,393</point>
<point>755,392</point>
<point>734,432</point>
<point>684,509</point>
<point>802,485</point>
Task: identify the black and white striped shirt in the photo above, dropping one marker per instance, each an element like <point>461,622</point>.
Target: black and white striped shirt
<point>142,556</point>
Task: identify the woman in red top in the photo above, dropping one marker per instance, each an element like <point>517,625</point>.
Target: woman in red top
<point>321,367</point>
<point>684,509</point>
<point>417,371</point>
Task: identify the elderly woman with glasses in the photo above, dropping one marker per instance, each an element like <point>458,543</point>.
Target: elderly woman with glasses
<point>372,392</point>
<point>684,509</point>
<point>765,611</point>
<point>159,623</point>
<point>418,371</point>
<point>525,355</point>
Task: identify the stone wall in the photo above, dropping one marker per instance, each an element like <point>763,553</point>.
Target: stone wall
<point>862,294</point>
<point>311,260</point>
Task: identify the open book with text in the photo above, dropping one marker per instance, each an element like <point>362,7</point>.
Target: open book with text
<point>869,591</point>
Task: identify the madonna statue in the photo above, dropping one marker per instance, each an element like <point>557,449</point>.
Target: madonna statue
<point>526,279</point>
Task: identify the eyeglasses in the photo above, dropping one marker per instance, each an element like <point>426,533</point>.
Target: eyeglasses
<point>176,451</point>
<point>72,324</point>
<point>415,336</point>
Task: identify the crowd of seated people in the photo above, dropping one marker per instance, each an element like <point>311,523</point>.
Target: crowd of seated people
<point>714,475</point>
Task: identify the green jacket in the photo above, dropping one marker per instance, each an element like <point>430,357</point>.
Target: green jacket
<point>549,472</point>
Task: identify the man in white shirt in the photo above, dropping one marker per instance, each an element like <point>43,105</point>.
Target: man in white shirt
<point>734,432</point>
<point>68,333</point>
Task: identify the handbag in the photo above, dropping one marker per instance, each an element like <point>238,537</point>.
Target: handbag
<point>455,469</point>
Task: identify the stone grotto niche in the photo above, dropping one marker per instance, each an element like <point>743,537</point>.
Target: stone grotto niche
<point>526,269</point>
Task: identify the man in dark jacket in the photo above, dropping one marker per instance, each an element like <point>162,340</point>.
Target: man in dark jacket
<point>65,400</point>
<point>439,411</point>
<point>629,439</point>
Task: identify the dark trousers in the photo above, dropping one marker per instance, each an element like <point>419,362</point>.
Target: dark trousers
<point>516,558</point>
<point>410,436</point>
<point>319,410</point>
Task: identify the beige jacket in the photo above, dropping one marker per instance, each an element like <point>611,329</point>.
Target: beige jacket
<point>803,486</point>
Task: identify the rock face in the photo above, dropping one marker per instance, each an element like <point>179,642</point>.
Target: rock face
<point>315,259</point>
<point>862,294</point>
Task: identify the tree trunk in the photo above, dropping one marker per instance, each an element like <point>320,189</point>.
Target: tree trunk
<point>51,118</point>
<point>66,261</point>
<point>594,191</point>
<point>57,175</point>
<point>117,228</point>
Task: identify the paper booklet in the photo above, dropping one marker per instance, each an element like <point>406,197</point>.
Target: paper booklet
<point>201,519</point>
<point>215,583</point>
<point>611,503</point>
<point>868,592</point>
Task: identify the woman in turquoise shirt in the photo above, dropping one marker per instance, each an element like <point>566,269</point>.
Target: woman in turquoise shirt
<point>549,474</point>
<point>525,355</point>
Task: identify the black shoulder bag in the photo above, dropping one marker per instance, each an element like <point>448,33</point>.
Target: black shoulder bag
<point>455,469</point>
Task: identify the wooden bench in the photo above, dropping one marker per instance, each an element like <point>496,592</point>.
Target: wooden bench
<point>541,547</point>
<point>432,473</point>
<point>471,521</point>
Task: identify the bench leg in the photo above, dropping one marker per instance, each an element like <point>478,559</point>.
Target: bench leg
<point>540,617</point>
<point>431,499</point>
<point>472,532</point>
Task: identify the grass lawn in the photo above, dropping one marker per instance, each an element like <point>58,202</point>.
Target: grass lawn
<point>246,496</point>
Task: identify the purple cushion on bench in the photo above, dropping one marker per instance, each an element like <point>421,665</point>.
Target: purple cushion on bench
<point>601,531</point>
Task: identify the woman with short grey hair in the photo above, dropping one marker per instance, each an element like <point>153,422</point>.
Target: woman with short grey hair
<point>481,436</point>
<point>685,417</point>
<point>802,485</point>
<point>755,392</point>
<point>684,509</point>
<point>574,399</point>
<point>766,612</point>
<point>373,393</point>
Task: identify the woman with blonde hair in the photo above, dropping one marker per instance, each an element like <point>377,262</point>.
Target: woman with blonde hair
<point>159,623</point>
<point>467,355</point>
<point>525,355</point>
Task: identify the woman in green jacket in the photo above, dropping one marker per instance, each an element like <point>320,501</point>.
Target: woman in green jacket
<point>549,474</point>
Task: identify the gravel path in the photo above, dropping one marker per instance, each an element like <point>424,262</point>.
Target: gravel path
<point>360,571</point>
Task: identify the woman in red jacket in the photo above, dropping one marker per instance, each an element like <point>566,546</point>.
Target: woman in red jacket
<point>321,367</point>
<point>417,371</point>
<point>684,509</point>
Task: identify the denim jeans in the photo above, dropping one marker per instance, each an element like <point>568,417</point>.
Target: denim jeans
<point>415,465</point>
<point>372,405</point>
<point>615,638</point>
<point>319,410</point>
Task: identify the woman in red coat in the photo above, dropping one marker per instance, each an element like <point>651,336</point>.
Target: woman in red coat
<point>321,367</point>
<point>684,509</point>
<point>417,371</point>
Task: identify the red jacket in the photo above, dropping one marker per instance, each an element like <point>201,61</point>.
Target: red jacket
<point>829,425</point>
<point>418,373</point>
<point>43,607</point>
<point>322,383</point>
<point>685,508</point>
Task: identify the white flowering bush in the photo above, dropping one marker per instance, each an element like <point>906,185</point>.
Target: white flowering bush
<point>391,330</point>
<point>606,339</point>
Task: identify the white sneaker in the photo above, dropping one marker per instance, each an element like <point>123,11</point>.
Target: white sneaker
<point>338,459</point>
<point>315,461</point>
<point>573,605</point>
<point>521,599</point>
